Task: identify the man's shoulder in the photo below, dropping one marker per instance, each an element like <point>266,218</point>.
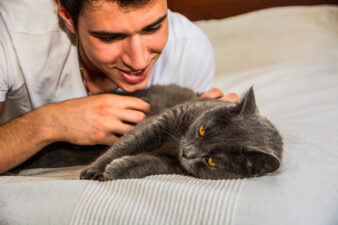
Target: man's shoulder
<point>182,28</point>
<point>187,58</point>
<point>37,16</point>
<point>186,40</point>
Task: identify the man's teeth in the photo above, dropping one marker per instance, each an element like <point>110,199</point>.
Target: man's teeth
<point>136,72</point>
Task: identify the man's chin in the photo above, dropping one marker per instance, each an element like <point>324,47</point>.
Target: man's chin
<point>134,87</point>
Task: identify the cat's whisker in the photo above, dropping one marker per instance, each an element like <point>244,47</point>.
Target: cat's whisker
<point>171,132</point>
<point>178,132</point>
<point>174,132</point>
<point>170,138</point>
<point>168,134</point>
<point>173,135</point>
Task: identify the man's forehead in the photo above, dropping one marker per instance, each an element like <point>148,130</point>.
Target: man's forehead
<point>105,15</point>
<point>123,5</point>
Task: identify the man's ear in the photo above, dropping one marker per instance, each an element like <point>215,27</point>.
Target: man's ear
<point>65,16</point>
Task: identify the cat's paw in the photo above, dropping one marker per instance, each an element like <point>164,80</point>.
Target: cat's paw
<point>118,169</point>
<point>91,173</point>
<point>112,174</point>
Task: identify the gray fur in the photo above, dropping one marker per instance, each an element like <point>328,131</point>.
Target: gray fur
<point>240,141</point>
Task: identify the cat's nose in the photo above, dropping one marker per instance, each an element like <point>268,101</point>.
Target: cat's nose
<point>188,154</point>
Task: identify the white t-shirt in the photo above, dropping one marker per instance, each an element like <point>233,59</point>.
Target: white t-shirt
<point>39,60</point>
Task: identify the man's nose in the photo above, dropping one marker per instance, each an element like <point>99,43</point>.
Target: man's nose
<point>135,54</point>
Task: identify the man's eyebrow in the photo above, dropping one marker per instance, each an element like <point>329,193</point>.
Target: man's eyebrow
<point>158,21</point>
<point>107,33</point>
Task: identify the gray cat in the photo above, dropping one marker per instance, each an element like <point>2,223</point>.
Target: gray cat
<point>205,138</point>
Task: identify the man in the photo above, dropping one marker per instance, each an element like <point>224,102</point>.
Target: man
<point>50,70</point>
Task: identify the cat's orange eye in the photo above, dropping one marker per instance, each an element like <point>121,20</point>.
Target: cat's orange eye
<point>201,130</point>
<point>211,163</point>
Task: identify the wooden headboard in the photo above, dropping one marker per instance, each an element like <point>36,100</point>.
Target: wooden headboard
<point>217,9</point>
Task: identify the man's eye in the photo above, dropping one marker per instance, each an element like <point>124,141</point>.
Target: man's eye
<point>110,38</point>
<point>151,30</point>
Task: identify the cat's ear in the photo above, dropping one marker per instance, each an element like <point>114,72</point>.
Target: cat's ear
<point>260,162</point>
<point>247,105</point>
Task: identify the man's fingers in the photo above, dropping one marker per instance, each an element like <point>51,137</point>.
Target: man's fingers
<point>232,97</point>
<point>110,140</point>
<point>125,102</point>
<point>216,93</point>
<point>136,104</point>
<point>131,116</point>
<point>121,128</point>
<point>213,93</point>
<point>117,131</point>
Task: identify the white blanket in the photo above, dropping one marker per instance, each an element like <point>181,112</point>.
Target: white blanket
<point>290,56</point>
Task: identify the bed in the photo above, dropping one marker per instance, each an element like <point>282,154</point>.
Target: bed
<point>290,56</point>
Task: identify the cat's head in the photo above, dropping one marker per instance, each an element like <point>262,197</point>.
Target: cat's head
<point>229,142</point>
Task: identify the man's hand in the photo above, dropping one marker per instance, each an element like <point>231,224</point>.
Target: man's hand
<point>95,119</point>
<point>85,121</point>
<point>215,93</point>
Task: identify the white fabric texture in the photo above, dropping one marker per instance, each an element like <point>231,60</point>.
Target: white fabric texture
<point>290,56</point>
<point>39,65</point>
<point>3,70</point>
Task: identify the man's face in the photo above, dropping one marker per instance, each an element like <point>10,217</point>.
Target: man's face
<point>122,43</point>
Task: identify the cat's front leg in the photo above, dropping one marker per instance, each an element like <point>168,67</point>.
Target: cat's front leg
<point>96,169</point>
<point>132,143</point>
<point>139,166</point>
<point>146,136</point>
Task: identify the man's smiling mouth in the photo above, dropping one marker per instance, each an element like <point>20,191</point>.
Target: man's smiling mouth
<point>134,77</point>
<point>138,72</point>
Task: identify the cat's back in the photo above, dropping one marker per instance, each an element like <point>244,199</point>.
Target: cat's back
<point>162,97</point>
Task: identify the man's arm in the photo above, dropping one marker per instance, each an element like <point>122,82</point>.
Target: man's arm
<point>20,139</point>
<point>85,121</point>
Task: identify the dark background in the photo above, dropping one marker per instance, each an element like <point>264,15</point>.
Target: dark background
<point>216,9</point>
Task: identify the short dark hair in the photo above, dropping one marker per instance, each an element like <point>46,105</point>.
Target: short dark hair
<point>74,7</point>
